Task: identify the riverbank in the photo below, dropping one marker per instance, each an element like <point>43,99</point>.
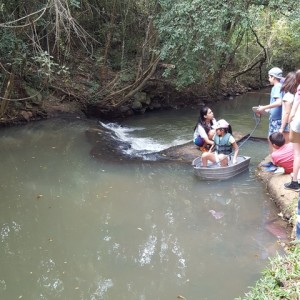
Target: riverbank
<point>281,279</point>
<point>285,200</point>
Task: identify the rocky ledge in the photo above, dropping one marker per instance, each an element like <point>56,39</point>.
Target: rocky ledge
<point>285,200</point>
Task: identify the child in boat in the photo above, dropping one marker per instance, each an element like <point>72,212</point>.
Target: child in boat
<point>203,132</point>
<point>224,143</point>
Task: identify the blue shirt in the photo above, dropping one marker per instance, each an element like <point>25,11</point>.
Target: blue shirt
<point>276,112</point>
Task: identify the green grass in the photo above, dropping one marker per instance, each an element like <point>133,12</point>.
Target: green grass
<point>281,280</point>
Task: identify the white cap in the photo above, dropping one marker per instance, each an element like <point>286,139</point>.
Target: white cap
<point>275,72</point>
<point>221,124</point>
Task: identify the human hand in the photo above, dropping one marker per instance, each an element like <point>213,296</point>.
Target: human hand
<point>260,109</point>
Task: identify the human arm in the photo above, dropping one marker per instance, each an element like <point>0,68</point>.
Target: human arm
<point>294,108</point>
<point>262,108</point>
<point>204,135</point>
<point>235,147</point>
<point>236,151</point>
<point>285,117</point>
<point>274,158</point>
<point>275,99</point>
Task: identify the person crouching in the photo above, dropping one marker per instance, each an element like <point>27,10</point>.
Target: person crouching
<point>224,143</point>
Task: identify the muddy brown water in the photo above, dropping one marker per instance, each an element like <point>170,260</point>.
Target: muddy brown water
<point>78,227</point>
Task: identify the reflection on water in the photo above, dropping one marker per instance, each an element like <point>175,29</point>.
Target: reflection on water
<point>73,227</point>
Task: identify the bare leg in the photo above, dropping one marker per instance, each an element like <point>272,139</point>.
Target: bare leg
<point>296,164</point>
<point>206,157</point>
<point>223,160</point>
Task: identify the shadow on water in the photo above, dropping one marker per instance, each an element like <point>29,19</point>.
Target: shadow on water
<point>74,226</point>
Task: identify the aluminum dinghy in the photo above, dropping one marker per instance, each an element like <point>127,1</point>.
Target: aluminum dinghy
<point>215,172</point>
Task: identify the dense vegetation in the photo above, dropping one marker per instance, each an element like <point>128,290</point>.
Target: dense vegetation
<point>46,46</point>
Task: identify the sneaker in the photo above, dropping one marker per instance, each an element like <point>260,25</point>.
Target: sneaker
<point>292,175</point>
<point>268,164</point>
<point>293,185</point>
<point>279,170</point>
<point>270,169</point>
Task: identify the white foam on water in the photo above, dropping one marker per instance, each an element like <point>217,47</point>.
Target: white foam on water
<point>139,146</point>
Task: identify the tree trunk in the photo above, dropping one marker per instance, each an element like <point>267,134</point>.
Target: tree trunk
<point>7,93</point>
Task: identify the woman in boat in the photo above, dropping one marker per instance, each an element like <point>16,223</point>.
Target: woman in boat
<point>224,144</point>
<point>203,131</point>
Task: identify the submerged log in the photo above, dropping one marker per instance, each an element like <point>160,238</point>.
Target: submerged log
<point>188,152</point>
<point>105,145</point>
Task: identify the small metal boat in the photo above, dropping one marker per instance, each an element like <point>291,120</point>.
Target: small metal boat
<point>214,172</point>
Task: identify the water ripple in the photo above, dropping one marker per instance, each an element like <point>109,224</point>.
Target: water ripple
<point>102,288</point>
<point>148,250</point>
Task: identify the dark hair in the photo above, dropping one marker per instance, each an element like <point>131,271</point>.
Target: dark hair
<point>229,129</point>
<point>201,120</point>
<point>298,77</point>
<point>277,138</point>
<point>290,84</point>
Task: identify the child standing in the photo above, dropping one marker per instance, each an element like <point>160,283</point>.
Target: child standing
<point>295,139</point>
<point>224,143</point>
<point>289,88</point>
<point>275,106</point>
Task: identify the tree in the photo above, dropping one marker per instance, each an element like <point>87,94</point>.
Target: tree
<point>204,37</point>
<point>52,31</point>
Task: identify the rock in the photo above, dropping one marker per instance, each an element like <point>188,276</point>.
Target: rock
<point>35,95</point>
<point>26,115</point>
<point>136,105</point>
<point>142,97</point>
<point>285,200</point>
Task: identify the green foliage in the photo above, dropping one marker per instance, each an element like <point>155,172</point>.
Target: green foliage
<point>48,67</point>
<point>199,35</point>
<point>12,49</point>
<point>286,44</point>
<point>280,280</point>
<point>205,38</point>
<point>93,87</point>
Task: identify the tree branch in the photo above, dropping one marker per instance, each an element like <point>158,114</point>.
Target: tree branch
<point>260,61</point>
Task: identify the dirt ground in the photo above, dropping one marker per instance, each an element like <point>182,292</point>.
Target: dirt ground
<point>286,200</point>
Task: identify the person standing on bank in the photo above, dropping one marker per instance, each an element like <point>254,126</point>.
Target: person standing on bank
<point>275,106</point>
<point>289,88</point>
<point>224,144</point>
<point>203,131</point>
<point>294,138</point>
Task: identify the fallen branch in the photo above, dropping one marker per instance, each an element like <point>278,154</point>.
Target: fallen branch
<point>69,94</point>
<point>131,89</point>
<point>260,61</point>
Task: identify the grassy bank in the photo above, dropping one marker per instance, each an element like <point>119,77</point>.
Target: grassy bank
<point>281,280</point>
